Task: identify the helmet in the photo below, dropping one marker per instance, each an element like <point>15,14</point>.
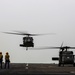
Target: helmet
<point>6,52</point>
<point>0,52</point>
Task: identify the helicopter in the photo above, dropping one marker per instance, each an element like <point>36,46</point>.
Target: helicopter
<point>65,56</point>
<point>28,40</point>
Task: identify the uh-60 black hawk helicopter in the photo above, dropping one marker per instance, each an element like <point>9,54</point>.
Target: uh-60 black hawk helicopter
<point>27,39</point>
<point>65,56</point>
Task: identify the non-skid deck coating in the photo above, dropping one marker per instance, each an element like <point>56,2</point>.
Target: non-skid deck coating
<point>51,69</point>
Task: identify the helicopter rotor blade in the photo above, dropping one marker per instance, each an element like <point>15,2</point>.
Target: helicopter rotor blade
<point>22,33</point>
<point>42,34</point>
<point>41,48</point>
<point>61,47</point>
<point>17,33</point>
<point>12,33</point>
<point>62,44</point>
<point>72,47</point>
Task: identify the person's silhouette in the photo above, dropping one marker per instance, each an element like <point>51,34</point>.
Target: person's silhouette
<point>7,60</point>
<point>1,59</point>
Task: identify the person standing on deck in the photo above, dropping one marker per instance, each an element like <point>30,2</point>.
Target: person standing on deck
<point>1,59</point>
<point>7,60</point>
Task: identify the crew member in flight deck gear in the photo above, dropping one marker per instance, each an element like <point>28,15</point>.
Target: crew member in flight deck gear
<point>1,59</point>
<point>7,60</point>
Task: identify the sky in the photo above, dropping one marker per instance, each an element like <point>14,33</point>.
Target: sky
<point>37,17</point>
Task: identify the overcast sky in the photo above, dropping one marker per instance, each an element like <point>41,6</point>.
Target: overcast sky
<point>36,16</point>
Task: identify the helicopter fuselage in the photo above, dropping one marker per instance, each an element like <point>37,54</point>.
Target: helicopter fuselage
<point>27,42</point>
<point>66,57</point>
